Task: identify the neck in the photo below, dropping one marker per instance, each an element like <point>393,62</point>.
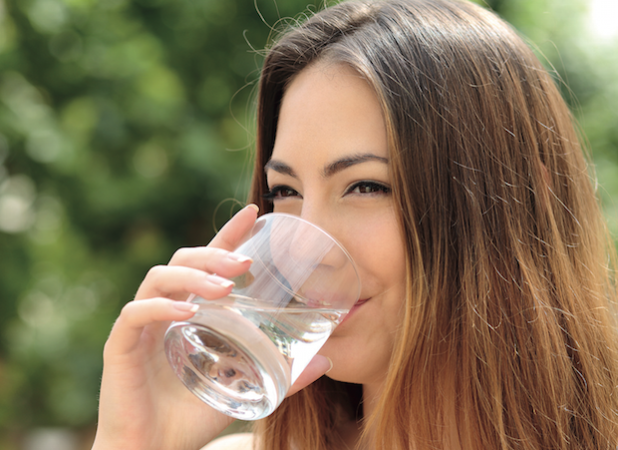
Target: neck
<point>350,431</point>
<point>371,396</point>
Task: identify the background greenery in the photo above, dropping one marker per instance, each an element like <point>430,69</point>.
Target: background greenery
<point>124,125</point>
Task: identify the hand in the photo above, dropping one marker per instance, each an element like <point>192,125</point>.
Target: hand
<point>143,404</point>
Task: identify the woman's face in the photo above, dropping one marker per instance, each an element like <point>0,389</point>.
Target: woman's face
<point>330,166</point>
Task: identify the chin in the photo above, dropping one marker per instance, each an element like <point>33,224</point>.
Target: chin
<point>346,369</point>
<point>342,376</point>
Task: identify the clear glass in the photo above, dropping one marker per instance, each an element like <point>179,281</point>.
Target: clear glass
<point>240,354</point>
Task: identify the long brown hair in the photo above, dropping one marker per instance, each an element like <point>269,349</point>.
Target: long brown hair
<point>508,339</point>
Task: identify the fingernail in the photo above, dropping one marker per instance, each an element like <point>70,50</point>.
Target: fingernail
<point>186,306</point>
<point>238,257</point>
<point>330,361</point>
<point>223,282</point>
<point>254,206</point>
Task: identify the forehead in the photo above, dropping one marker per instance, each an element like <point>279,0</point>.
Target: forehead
<point>329,111</point>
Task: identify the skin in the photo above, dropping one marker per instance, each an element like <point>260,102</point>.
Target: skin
<point>329,166</point>
<point>143,405</point>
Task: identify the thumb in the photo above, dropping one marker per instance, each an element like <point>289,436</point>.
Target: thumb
<point>317,367</point>
<point>235,229</point>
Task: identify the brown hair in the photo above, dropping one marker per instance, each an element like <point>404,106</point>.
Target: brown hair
<point>508,336</point>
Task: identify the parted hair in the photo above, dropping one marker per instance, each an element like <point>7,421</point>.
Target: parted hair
<point>508,337</point>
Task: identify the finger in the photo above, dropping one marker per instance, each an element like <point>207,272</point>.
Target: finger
<point>317,367</point>
<point>177,282</point>
<point>230,236</point>
<point>213,260</point>
<point>135,316</point>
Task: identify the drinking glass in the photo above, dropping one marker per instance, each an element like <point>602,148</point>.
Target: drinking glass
<point>240,354</point>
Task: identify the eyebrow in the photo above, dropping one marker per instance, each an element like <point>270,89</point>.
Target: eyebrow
<point>330,169</point>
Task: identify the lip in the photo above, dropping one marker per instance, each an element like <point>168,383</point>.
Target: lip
<point>316,299</point>
<point>354,308</point>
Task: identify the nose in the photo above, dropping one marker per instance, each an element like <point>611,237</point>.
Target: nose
<point>314,264</point>
<point>331,279</point>
<point>320,213</point>
<point>311,243</point>
<point>320,227</point>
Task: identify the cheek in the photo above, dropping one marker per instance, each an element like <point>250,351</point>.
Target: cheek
<point>377,246</point>
<point>290,206</point>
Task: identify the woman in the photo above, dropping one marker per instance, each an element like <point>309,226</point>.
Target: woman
<point>426,137</point>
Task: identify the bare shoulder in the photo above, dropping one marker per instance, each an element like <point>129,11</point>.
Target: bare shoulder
<point>240,441</point>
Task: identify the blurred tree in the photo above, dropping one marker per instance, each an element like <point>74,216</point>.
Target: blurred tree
<point>122,129</point>
<point>125,124</point>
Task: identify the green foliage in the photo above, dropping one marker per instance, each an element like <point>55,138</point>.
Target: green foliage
<point>122,129</point>
<point>124,125</point>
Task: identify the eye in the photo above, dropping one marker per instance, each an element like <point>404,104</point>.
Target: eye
<point>368,188</point>
<point>279,192</point>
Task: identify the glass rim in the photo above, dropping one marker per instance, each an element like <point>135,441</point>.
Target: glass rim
<point>268,215</point>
